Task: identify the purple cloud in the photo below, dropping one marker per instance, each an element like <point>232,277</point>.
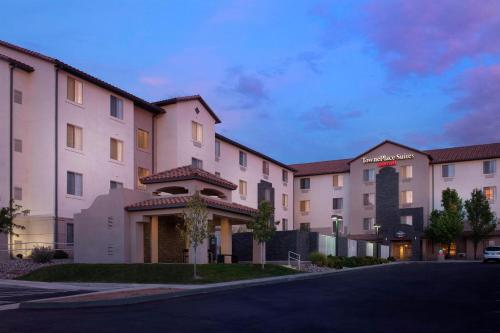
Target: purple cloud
<point>429,36</point>
<point>479,100</point>
<point>325,118</point>
<point>247,89</point>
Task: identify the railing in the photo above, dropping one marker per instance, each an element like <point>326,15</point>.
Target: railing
<point>293,256</point>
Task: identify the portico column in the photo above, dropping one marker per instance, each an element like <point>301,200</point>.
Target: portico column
<point>154,239</point>
<point>226,239</point>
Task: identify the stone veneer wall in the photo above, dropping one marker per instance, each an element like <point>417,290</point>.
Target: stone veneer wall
<point>170,242</point>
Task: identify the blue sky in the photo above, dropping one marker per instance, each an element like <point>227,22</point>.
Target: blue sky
<point>298,80</point>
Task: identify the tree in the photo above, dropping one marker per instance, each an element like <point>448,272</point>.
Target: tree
<point>480,217</point>
<point>196,228</point>
<point>447,225</point>
<point>7,216</point>
<point>263,227</point>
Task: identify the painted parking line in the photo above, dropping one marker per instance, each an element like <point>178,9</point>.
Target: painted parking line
<point>13,295</point>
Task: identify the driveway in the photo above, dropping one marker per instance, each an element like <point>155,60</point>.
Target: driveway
<point>417,297</point>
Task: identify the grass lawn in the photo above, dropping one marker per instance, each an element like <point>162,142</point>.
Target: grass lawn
<point>152,273</point>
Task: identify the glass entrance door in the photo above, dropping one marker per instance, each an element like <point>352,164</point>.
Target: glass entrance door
<point>401,250</point>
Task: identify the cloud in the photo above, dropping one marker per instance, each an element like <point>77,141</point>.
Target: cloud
<point>478,103</point>
<point>245,90</point>
<point>326,118</point>
<point>154,81</point>
<point>428,36</point>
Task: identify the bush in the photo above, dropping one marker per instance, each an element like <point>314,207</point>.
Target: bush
<point>19,256</point>
<point>318,259</point>
<point>335,262</point>
<point>60,254</point>
<point>391,258</point>
<point>42,254</point>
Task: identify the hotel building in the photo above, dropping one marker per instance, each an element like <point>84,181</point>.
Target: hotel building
<point>111,173</point>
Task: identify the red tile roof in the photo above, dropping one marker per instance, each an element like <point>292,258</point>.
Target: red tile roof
<point>182,201</point>
<point>321,168</point>
<point>467,153</point>
<point>175,100</point>
<point>437,156</point>
<point>188,172</point>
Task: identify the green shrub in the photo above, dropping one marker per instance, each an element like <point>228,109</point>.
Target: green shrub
<point>335,262</point>
<point>42,254</point>
<point>391,258</point>
<point>318,259</point>
<point>60,254</point>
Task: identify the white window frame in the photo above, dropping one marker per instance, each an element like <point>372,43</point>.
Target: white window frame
<point>338,181</point>
<point>493,191</point>
<point>406,197</point>
<point>196,132</point>
<point>493,168</point>
<point>243,159</point>
<point>450,170</point>
<point>119,149</point>
<point>242,188</point>
<point>305,206</point>
<point>116,106</point>
<point>142,137</point>
<point>77,90</point>
<point>77,185</point>
<point>76,138</point>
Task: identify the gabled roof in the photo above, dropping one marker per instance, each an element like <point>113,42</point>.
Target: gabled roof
<point>252,151</point>
<point>188,172</point>
<point>322,168</point>
<point>74,71</point>
<point>182,201</point>
<point>17,63</point>
<point>467,153</point>
<point>390,142</point>
<point>198,98</point>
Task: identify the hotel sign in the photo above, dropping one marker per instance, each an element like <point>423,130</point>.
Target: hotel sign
<point>388,159</point>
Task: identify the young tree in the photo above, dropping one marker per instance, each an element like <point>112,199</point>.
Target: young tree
<point>263,227</point>
<point>7,216</point>
<point>480,217</point>
<point>196,228</point>
<point>447,225</point>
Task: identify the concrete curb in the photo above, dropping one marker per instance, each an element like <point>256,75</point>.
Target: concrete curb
<point>51,303</point>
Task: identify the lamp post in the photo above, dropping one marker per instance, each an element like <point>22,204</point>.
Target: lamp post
<point>336,220</point>
<point>376,227</point>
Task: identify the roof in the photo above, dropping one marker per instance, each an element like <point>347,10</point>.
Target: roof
<point>17,63</point>
<point>250,150</point>
<point>437,156</point>
<point>390,142</point>
<point>188,172</point>
<point>175,100</point>
<point>467,153</point>
<point>322,168</point>
<point>182,201</point>
<point>72,70</point>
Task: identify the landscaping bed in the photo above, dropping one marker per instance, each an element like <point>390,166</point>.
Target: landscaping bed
<point>321,260</point>
<point>18,267</point>
<point>153,273</point>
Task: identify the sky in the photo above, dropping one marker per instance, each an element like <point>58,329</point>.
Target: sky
<point>300,81</point>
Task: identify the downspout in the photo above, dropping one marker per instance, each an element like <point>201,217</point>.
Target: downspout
<point>56,159</point>
<point>433,187</point>
<point>11,143</point>
<point>153,139</point>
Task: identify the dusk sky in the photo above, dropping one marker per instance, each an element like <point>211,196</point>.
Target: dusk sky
<point>297,80</point>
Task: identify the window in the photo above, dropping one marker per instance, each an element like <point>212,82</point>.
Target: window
<point>490,192</point>
<point>18,145</point>
<point>369,175</point>
<point>116,150</point>
<point>305,206</point>
<point>141,173</point>
<point>18,97</point>
<point>448,170</point>
<point>284,200</point>
<point>407,171</point>
<point>70,233</point>
<point>369,199</point>
<point>368,223</point>
<point>338,181</point>
<point>284,176</point>
<point>406,197</point>
<point>116,107</point>
<point>489,167</point>
<point>74,183</point>
<point>142,139</point>
<point>197,163</point>
<point>18,193</point>
<point>217,149</point>
<point>284,224</point>
<point>305,183</point>
<point>243,188</point>
<point>243,159</point>
<point>113,184</point>
<point>407,219</point>
<point>196,132</point>
<point>338,203</point>
<point>74,137</point>
<point>305,226</point>
<point>74,90</point>
<point>265,168</point>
